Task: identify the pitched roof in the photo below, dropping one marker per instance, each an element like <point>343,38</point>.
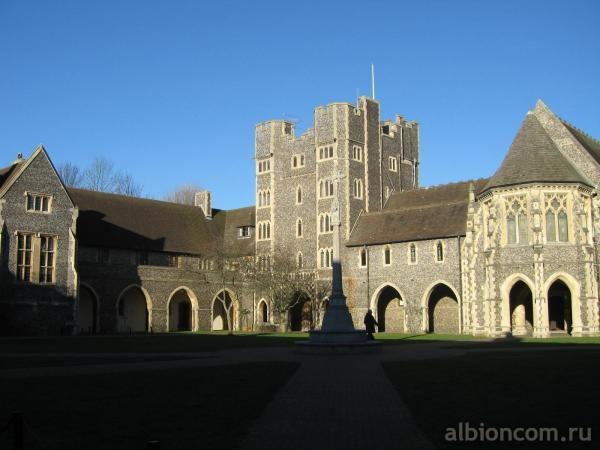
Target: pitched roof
<point>117,221</point>
<point>430,213</point>
<point>434,195</point>
<point>534,157</point>
<point>225,225</point>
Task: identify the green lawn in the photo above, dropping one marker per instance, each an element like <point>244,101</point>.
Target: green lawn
<point>208,407</point>
<point>215,341</point>
<point>148,343</point>
<point>556,388</point>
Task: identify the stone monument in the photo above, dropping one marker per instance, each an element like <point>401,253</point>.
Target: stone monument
<point>337,333</point>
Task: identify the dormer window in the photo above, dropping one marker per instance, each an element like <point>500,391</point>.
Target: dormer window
<point>244,232</point>
<point>38,202</point>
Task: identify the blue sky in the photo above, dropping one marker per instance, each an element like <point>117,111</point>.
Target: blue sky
<point>171,90</point>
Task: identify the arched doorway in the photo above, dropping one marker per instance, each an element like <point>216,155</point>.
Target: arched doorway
<point>132,310</point>
<point>300,314</point>
<point>390,311</point>
<point>223,311</point>
<point>521,309</point>
<point>263,312</point>
<point>181,311</point>
<point>443,311</point>
<point>88,310</point>
<point>559,308</point>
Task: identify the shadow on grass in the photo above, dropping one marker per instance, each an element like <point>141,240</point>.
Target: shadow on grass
<point>148,343</point>
<point>208,407</point>
<point>501,389</point>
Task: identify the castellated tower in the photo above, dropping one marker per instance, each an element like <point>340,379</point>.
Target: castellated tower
<point>294,190</point>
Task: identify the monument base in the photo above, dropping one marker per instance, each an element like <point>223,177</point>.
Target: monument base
<point>338,342</point>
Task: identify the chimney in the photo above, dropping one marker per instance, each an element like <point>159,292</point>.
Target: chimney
<point>202,200</point>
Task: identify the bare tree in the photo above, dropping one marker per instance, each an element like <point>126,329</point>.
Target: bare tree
<point>286,285</point>
<point>70,174</point>
<point>100,175</point>
<point>124,184</point>
<point>183,194</point>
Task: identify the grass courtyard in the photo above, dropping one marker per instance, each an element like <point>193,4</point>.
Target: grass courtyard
<point>505,382</point>
<point>555,388</point>
<point>208,407</point>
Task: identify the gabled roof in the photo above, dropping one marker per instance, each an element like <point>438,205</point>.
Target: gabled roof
<point>225,225</point>
<point>533,157</point>
<point>430,213</point>
<point>117,221</point>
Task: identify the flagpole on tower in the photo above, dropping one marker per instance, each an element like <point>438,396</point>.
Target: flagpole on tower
<point>373,80</point>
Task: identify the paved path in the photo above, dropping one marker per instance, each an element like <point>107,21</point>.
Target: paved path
<point>340,401</point>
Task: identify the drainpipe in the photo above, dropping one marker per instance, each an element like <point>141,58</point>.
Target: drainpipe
<point>460,287</point>
<point>366,249</point>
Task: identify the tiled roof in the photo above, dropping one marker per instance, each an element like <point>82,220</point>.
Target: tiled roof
<point>534,157</point>
<point>116,221</point>
<point>430,213</point>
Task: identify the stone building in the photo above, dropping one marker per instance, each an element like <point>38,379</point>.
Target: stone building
<point>513,254</point>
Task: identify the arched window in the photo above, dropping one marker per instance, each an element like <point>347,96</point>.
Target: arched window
<point>363,257</point>
<point>557,224</point>
<point>387,255</point>
<point>325,224</point>
<point>299,195</point>
<point>299,228</point>
<point>299,260</point>
<point>439,248</point>
<point>413,253</point>
<point>358,188</point>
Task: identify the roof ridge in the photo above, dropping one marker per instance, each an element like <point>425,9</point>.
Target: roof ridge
<point>130,197</point>
<point>416,208</point>
<point>441,185</point>
<point>569,124</point>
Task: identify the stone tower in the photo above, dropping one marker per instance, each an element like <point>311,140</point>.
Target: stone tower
<point>294,190</point>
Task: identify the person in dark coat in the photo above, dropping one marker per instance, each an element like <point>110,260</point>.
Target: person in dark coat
<point>370,323</point>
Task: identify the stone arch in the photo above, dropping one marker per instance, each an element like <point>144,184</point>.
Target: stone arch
<point>390,308</point>
<point>89,306</point>
<point>263,311</point>
<point>300,315</point>
<point>134,310</point>
<point>219,316</point>
<point>182,310</point>
<point>506,309</point>
<point>441,309</point>
<point>575,302</point>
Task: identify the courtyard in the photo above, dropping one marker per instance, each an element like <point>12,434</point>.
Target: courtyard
<point>255,391</point>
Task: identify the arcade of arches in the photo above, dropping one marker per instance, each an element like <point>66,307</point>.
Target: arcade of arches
<point>132,311</point>
<point>390,311</point>
<point>301,315</point>
<point>180,312</point>
<point>443,311</point>
<point>560,315</point>
<point>88,310</point>
<point>223,311</point>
